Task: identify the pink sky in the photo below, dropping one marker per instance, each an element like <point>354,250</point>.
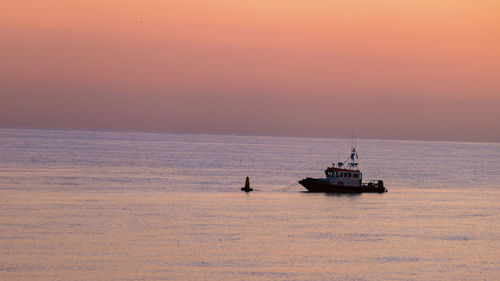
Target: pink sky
<point>389,69</point>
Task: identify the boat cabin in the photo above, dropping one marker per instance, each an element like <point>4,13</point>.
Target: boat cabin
<point>340,176</point>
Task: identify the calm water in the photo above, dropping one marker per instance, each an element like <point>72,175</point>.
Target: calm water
<point>85,205</point>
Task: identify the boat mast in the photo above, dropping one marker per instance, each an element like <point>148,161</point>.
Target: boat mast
<point>353,164</point>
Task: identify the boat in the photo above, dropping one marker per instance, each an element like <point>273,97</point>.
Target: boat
<point>342,178</point>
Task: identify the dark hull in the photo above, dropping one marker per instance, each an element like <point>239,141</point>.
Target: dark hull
<point>323,185</point>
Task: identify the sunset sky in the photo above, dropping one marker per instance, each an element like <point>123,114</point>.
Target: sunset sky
<point>389,69</point>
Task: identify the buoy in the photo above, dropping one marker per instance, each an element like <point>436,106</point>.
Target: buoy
<point>247,186</point>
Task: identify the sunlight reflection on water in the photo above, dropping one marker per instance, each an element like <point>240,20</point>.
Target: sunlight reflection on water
<point>153,235</point>
<point>80,205</point>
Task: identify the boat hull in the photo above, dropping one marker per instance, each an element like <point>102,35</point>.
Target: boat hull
<point>324,185</point>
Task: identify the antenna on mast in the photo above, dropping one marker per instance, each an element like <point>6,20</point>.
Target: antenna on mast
<point>354,141</point>
<point>352,138</point>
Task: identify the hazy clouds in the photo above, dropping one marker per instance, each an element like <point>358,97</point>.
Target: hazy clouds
<point>390,69</point>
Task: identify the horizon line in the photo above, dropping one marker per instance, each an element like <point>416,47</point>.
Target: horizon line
<point>240,135</point>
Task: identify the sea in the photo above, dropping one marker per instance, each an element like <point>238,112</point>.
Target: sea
<point>115,205</point>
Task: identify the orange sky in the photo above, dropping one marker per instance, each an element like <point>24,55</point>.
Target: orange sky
<point>389,69</point>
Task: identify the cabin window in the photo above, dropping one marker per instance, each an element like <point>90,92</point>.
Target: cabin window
<point>355,175</point>
<point>349,175</point>
<point>341,174</point>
